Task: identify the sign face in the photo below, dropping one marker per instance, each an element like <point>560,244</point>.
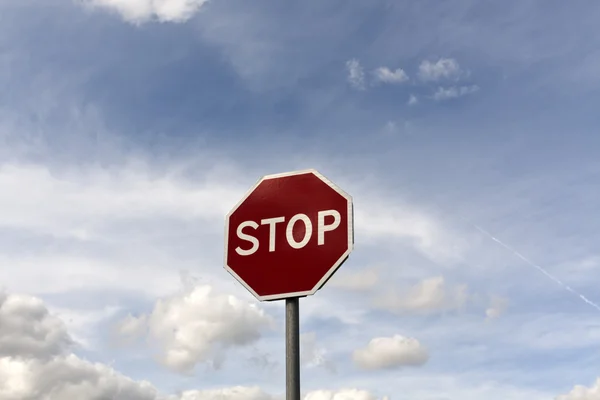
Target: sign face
<point>288,235</point>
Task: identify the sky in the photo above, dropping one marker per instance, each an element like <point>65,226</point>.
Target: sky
<point>465,131</point>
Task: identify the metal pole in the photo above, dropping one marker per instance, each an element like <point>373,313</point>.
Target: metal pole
<point>292,349</point>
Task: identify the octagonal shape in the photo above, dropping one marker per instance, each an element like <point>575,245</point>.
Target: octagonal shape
<point>288,235</point>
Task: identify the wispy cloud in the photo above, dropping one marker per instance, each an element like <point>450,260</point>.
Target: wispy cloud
<point>83,201</point>
<point>412,100</point>
<point>384,220</point>
<point>386,75</point>
<point>444,68</point>
<point>313,355</point>
<point>356,74</point>
<point>362,280</point>
<point>454,92</point>
<point>140,11</point>
<point>431,295</point>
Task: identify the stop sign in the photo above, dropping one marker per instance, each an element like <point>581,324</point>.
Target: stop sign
<point>288,235</point>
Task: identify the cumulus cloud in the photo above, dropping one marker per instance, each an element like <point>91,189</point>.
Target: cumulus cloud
<point>139,11</point>
<point>390,352</point>
<point>256,393</point>
<point>356,74</point>
<point>454,92</point>
<point>68,377</point>
<point>36,362</point>
<point>355,280</point>
<point>580,392</point>
<point>386,75</point>
<point>342,394</point>
<point>28,330</point>
<point>233,393</point>
<point>444,68</point>
<point>197,326</point>
<point>429,295</point>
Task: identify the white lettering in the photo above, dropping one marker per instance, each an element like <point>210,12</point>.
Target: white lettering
<point>271,222</point>
<point>248,238</point>
<point>322,228</point>
<point>290,231</point>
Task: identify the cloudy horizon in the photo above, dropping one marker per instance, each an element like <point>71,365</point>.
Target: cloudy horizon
<point>466,133</point>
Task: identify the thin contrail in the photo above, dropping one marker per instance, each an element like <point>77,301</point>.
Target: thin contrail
<point>539,268</point>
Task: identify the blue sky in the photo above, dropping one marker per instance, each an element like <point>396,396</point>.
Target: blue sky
<point>129,128</point>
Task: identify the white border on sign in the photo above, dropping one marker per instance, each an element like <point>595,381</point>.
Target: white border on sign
<point>335,266</point>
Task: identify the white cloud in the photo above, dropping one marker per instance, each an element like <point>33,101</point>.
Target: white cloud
<point>444,68</point>
<point>197,326</point>
<point>59,274</point>
<point>139,11</point>
<point>256,393</point>
<point>429,295</point>
<point>386,75</point>
<point>381,220</point>
<point>412,100</point>
<point>391,352</point>
<point>232,393</point>
<point>581,392</point>
<point>35,362</point>
<point>355,280</point>
<point>454,92</point>
<point>79,203</point>
<point>114,208</point>
<point>356,74</point>
<point>28,330</point>
<point>342,394</point>
<point>67,377</point>
<point>116,228</point>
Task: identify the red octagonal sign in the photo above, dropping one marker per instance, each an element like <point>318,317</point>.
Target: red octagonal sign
<point>288,235</point>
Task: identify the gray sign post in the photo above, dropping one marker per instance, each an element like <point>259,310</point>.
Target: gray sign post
<point>292,348</point>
